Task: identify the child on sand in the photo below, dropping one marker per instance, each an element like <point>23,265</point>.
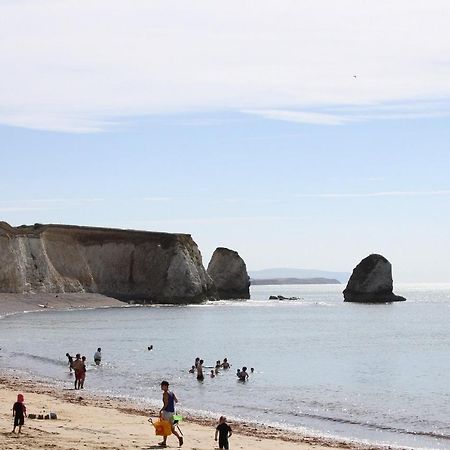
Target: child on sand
<point>19,413</point>
<point>224,432</point>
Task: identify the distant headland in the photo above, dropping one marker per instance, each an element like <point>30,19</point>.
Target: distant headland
<point>280,281</point>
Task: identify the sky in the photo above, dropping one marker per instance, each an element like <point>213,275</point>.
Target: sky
<point>306,133</point>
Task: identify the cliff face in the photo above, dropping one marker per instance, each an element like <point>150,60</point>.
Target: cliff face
<point>229,274</point>
<point>129,265</point>
<point>371,282</point>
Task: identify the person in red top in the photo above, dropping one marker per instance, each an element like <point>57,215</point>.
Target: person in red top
<point>19,413</point>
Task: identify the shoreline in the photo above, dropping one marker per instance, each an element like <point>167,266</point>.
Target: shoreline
<point>24,303</point>
<point>75,407</point>
<point>256,435</point>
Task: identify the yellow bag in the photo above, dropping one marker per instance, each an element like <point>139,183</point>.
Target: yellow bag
<point>162,427</point>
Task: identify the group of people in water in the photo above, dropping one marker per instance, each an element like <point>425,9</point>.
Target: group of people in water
<point>78,365</point>
<point>199,367</point>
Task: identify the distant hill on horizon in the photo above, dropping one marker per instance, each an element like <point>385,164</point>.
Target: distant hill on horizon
<point>283,272</point>
<point>279,281</point>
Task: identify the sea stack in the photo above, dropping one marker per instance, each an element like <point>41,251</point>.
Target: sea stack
<point>371,282</point>
<point>229,274</point>
<point>141,266</point>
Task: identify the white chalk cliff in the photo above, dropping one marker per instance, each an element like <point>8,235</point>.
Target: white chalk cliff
<point>125,264</point>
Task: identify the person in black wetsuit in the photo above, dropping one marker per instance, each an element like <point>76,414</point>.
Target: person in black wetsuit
<point>224,432</point>
<point>19,413</point>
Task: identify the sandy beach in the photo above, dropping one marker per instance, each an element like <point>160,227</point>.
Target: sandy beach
<point>16,303</point>
<point>106,423</point>
<point>92,422</point>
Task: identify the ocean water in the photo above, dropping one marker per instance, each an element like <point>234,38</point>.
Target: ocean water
<point>369,373</point>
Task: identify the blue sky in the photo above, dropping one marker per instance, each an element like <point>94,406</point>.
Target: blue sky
<point>248,131</point>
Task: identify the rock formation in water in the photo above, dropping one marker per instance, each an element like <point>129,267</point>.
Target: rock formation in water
<point>125,264</point>
<point>371,282</point>
<point>229,274</point>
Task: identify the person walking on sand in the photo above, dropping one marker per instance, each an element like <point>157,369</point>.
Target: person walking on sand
<point>98,356</point>
<point>19,413</point>
<point>224,432</point>
<point>167,412</point>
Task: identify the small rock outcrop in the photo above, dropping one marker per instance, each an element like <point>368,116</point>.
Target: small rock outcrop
<point>229,274</point>
<point>125,264</point>
<point>371,282</point>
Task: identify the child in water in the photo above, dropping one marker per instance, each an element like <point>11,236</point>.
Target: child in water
<point>224,432</point>
<point>19,413</point>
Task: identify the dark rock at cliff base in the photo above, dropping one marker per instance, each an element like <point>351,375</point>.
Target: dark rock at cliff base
<point>371,282</point>
<point>142,266</point>
<point>229,274</point>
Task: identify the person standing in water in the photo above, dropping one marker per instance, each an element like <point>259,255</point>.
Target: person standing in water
<point>77,366</point>
<point>83,374</point>
<point>98,356</point>
<point>69,361</point>
<point>200,375</point>
<point>243,375</point>
<point>225,364</point>
<point>168,410</point>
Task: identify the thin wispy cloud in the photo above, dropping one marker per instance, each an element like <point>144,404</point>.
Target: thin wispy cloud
<point>157,199</point>
<point>45,204</point>
<point>281,59</point>
<point>376,194</point>
<point>182,222</point>
<point>421,109</point>
<point>302,117</point>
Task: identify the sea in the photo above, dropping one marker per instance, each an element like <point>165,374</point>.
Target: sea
<point>373,374</point>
